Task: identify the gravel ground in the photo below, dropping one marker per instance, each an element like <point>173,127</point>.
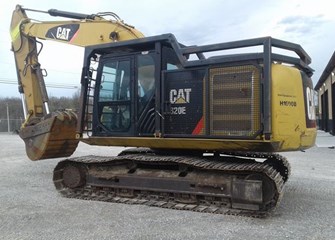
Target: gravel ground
<point>30,207</point>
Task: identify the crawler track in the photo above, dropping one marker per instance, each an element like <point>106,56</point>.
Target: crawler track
<point>230,184</point>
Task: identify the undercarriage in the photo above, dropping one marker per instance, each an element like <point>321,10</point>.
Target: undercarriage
<point>248,184</point>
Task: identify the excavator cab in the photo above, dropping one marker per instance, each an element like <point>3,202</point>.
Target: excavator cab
<point>147,93</point>
<point>124,93</point>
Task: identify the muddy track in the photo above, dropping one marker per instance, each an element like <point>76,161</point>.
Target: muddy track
<point>92,180</point>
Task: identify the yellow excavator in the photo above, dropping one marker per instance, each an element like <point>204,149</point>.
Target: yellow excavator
<point>203,132</point>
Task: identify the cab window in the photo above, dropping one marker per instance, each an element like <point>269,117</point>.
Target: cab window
<point>114,109</point>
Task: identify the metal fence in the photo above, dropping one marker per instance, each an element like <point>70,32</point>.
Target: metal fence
<point>13,125</point>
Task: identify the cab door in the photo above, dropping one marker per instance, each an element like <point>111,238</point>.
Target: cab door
<point>113,108</point>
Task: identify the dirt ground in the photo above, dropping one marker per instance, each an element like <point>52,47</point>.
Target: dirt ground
<point>30,207</point>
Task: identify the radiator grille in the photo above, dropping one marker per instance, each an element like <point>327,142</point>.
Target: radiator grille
<point>235,101</point>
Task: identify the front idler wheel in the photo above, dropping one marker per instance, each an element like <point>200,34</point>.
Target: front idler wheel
<point>74,176</point>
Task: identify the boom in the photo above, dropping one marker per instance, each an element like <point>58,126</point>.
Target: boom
<point>82,30</point>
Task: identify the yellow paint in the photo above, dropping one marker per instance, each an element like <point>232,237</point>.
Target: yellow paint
<point>15,32</point>
<point>91,32</point>
<point>185,143</point>
<point>288,110</point>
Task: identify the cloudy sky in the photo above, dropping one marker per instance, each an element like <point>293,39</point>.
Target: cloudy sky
<point>309,23</point>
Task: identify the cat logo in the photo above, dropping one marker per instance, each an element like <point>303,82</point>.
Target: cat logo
<point>180,96</point>
<point>63,33</point>
<point>66,32</point>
